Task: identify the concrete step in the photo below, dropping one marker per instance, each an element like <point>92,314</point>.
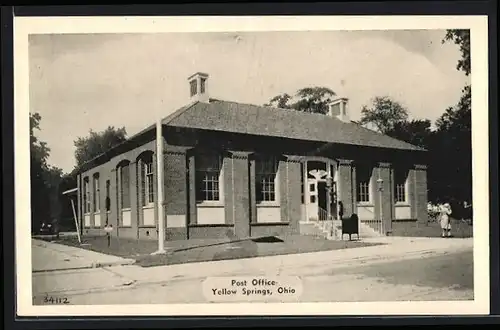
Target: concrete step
<point>319,229</point>
<point>324,229</point>
<point>368,230</point>
<point>311,229</point>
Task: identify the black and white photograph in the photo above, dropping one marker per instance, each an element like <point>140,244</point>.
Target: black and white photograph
<point>251,165</point>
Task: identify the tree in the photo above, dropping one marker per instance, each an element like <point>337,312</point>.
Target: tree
<point>416,132</point>
<point>462,39</point>
<point>39,150</point>
<point>307,99</point>
<point>384,114</point>
<point>450,176</point>
<point>280,101</point>
<point>97,143</point>
<point>44,179</point>
<point>452,152</point>
<point>458,118</point>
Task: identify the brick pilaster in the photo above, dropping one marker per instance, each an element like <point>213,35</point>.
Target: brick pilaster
<point>134,214</point>
<point>345,186</point>
<point>294,193</point>
<point>192,189</point>
<point>383,200</point>
<point>241,193</point>
<point>283,189</point>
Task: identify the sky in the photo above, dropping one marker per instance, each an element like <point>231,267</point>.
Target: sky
<point>83,82</point>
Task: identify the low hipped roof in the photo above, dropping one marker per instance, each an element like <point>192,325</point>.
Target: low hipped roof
<point>233,117</point>
<point>284,123</point>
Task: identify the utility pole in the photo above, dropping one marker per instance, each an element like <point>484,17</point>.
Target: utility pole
<point>159,177</point>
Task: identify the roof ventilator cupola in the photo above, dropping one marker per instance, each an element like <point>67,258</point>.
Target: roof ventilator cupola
<point>338,108</point>
<point>198,87</point>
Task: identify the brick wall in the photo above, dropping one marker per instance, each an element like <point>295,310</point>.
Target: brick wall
<point>345,182</point>
<point>294,195</point>
<point>283,190</point>
<point>176,192</point>
<point>108,171</point>
<point>383,199</point>
<point>241,204</point>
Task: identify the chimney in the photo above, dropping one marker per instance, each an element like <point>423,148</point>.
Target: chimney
<point>198,90</point>
<point>338,108</point>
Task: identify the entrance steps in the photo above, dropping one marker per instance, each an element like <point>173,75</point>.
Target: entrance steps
<point>324,229</point>
<point>369,230</point>
<point>321,229</point>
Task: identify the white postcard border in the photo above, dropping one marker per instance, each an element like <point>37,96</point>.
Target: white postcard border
<point>23,26</point>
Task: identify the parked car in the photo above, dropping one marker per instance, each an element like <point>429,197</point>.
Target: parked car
<point>50,228</point>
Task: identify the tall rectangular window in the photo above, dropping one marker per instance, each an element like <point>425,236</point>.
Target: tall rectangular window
<point>400,180</point>
<point>108,199</point>
<point>208,173</point>
<point>266,171</point>
<point>86,195</point>
<point>363,178</point>
<point>124,179</point>
<point>148,183</point>
<point>97,195</point>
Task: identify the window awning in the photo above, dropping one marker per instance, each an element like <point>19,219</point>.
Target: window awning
<point>70,191</point>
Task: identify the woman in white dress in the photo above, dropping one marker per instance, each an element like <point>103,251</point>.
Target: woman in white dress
<point>445,220</point>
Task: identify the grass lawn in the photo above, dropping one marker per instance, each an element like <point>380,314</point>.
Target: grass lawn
<point>459,229</point>
<point>194,250</point>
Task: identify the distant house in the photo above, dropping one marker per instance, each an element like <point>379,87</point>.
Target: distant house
<point>247,169</point>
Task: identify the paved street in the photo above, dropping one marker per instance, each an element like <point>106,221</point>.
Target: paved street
<point>443,273</point>
<point>48,256</point>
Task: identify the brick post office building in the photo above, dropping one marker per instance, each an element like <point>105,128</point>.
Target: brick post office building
<point>247,169</point>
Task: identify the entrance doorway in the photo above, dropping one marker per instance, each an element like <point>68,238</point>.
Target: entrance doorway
<point>317,196</point>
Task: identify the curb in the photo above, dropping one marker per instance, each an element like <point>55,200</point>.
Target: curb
<point>349,262</point>
<point>94,265</point>
<point>115,288</point>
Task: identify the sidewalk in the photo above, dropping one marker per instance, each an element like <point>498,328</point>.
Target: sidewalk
<point>397,248</point>
<point>48,256</point>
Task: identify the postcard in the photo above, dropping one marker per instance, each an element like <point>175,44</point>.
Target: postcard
<point>274,165</point>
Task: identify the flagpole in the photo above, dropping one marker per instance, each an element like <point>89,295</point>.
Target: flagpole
<point>160,176</point>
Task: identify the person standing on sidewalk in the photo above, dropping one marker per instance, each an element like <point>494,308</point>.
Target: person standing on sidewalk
<point>445,220</point>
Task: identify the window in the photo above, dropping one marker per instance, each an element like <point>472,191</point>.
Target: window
<point>266,174</point>
<point>202,85</point>
<point>311,187</point>
<point>193,86</point>
<point>147,182</point>
<point>145,173</point>
<point>86,195</point>
<point>363,177</point>
<point>400,178</point>
<point>123,177</point>
<point>108,200</point>
<point>97,195</point>
<point>208,172</point>
<point>313,199</point>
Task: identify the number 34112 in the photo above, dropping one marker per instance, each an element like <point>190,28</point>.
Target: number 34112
<point>55,300</point>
